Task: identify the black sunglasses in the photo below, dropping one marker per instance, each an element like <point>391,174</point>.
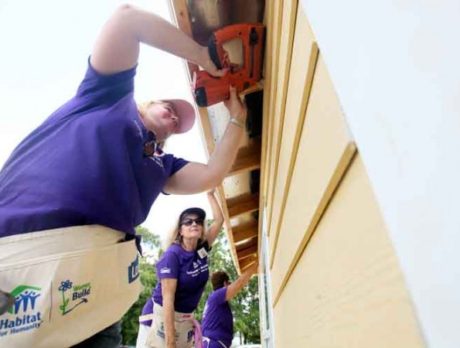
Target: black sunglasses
<point>189,222</point>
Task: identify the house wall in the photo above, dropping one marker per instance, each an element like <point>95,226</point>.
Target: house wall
<point>335,278</point>
<point>394,65</point>
<point>346,289</point>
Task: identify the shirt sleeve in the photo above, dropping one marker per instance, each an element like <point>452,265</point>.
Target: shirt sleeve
<point>168,266</point>
<point>218,296</point>
<point>106,89</point>
<point>173,164</point>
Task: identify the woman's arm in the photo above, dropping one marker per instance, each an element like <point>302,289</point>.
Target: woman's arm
<point>168,291</point>
<point>234,288</point>
<point>197,177</point>
<point>216,226</point>
<point>117,46</point>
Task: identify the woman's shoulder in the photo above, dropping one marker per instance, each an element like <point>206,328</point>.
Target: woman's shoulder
<point>218,296</point>
<point>176,250</point>
<point>173,248</point>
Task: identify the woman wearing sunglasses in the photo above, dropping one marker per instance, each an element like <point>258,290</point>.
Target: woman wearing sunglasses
<point>167,319</point>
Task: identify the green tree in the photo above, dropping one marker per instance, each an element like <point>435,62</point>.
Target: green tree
<point>247,322</point>
<point>151,249</point>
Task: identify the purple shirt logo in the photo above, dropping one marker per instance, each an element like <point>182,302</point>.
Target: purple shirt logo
<point>165,270</point>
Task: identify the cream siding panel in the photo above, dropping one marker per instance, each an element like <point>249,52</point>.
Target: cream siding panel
<point>267,137</point>
<point>304,51</point>
<point>325,150</point>
<point>347,289</point>
<point>271,120</point>
<point>277,103</point>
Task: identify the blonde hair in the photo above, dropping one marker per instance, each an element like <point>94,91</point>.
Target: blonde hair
<point>143,106</point>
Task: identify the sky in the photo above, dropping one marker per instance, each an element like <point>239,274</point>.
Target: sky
<point>44,50</point>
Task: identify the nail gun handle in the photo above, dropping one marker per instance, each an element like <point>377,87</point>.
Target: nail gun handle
<point>221,36</point>
<point>214,52</point>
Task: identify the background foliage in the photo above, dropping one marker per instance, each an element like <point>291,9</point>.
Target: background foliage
<point>245,306</point>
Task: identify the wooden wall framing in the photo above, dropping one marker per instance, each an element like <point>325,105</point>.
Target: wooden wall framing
<point>239,205</point>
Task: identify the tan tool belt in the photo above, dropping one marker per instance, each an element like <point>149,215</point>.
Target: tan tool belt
<point>69,283</point>
<point>184,324</point>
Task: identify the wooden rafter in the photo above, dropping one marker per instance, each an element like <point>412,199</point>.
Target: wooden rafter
<point>248,252</point>
<point>248,158</point>
<point>245,231</point>
<point>245,203</point>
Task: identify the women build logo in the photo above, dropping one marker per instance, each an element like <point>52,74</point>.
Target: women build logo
<point>73,296</point>
<point>22,315</point>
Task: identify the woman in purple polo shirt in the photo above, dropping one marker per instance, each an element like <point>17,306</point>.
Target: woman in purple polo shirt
<point>167,316</point>
<point>73,191</point>
<point>217,317</point>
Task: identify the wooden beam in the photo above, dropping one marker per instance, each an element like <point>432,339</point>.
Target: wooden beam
<point>248,252</point>
<point>228,228</point>
<point>246,203</point>
<point>181,16</point>
<point>245,231</point>
<point>246,244</point>
<point>247,159</point>
<point>207,131</point>
<point>246,262</point>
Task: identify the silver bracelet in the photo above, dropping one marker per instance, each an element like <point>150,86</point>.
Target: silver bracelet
<point>237,122</point>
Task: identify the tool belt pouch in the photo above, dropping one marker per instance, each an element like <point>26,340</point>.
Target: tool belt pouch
<point>183,324</point>
<point>63,298</point>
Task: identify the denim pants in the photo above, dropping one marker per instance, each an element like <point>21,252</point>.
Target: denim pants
<point>110,337</point>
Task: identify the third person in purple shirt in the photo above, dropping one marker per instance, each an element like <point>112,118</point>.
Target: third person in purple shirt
<point>217,323</point>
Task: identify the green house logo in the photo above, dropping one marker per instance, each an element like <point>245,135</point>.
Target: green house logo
<point>24,315</point>
<point>25,299</point>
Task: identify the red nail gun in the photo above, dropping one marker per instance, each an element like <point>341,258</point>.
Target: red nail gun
<point>209,90</point>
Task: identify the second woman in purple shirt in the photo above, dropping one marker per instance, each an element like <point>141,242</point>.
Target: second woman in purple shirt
<point>167,318</point>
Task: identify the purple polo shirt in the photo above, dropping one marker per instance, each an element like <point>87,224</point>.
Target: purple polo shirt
<point>218,318</point>
<point>85,164</point>
<point>191,271</point>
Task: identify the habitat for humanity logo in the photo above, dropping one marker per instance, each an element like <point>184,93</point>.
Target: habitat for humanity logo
<point>22,315</point>
<point>77,295</point>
